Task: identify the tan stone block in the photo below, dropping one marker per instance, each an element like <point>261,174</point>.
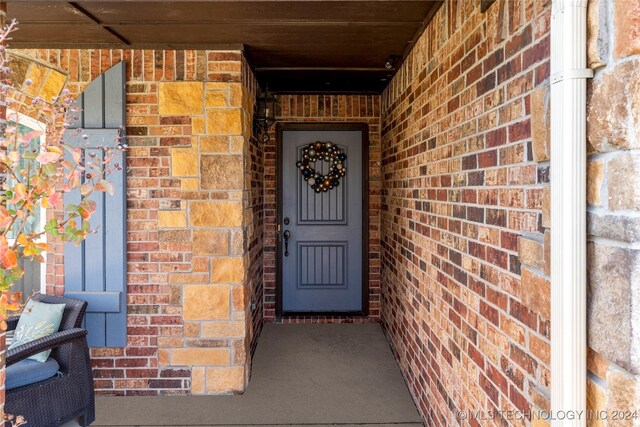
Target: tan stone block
<point>19,67</point>
<point>597,33</point>
<point>200,356</point>
<point>225,380</point>
<point>623,395</point>
<point>238,144</point>
<point>239,352</point>
<point>215,214</point>
<point>613,279</point>
<point>206,302</point>
<point>596,403</point>
<point>216,99</point>
<point>200,264</point>
<point>626,25</point>
<point>613,116</point>
<point>174,236</point>
<point>623,182</point>
<point>53,85</point>
<point>172,219</point>
<point>198,380</point>
<point>597,364</point>
<point>536,293</point>
<point>184,162</point>
<point>595,176</point>
<point>531,252</point>
<point>191,329</point>
<point>227,270</point>
<point>163,357</point>
<point>224,122</point>
<point>180,98</point>
<point>547,252</point>
<point>237,242</point>
<point>210,242</point>
<point>223,329</point>
<point>189,184</point>
<point>216,86</point>
<point>214,144</point>
<point>221,172</point>
<point>239,297</point>
<point>169,342</point>
<point>546,206</point>
<point>37,73</point>
<point>540,123</point>
<point>197,125</point>
<point>188,278</point>
<point>236,94</point>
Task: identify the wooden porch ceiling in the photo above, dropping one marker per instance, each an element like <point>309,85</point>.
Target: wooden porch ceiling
<point>293,45</point>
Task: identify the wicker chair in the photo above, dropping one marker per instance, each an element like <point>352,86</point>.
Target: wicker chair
<point>64,397</point>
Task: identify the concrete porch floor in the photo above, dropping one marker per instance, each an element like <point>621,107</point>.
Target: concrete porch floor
<point>311,375</point>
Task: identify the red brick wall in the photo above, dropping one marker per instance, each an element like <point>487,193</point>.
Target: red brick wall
<point>255,233</point>
<point>462,182</point>
<point>324,109</point>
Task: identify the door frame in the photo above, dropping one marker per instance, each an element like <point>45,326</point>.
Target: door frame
<point>324,126</point>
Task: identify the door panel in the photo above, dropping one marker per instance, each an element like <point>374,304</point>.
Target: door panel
<point>322,260</point>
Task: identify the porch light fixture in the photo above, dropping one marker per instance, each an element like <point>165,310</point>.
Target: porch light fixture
<point>264,116</point>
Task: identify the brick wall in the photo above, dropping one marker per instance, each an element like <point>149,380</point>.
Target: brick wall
<point>193,241</point>
<point>465,290</point>
<point>324,109</point>
<point>613,126</point>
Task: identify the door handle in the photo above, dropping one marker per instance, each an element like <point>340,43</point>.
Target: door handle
<point>286,235</point>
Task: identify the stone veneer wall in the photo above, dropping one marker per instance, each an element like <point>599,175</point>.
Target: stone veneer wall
<point>324,109</point>
<point>465,285</point>
<point>613,131</point>
<point>194,237</point>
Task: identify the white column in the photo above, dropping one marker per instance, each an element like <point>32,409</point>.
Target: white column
<point>568,209</point>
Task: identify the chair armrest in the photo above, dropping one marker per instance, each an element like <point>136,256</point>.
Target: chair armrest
<point>45,343</point>
<point>12,323</point>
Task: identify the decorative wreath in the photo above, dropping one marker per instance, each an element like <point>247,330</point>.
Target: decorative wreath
<point>328,152</point>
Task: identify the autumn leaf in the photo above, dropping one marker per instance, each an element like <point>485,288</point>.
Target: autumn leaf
<point>46,158</point>
<point>5,217</point>
<point>86,188</point>
<point>19,193</point>
<point>53,199</point>
<point>74,179</point>
<point>87,208</point>
<point>77,154</point>
<point>27,137</point>
<point>104,185</point>
<point>22,240</point>
<point>4,245</point>
<point>9,259</point>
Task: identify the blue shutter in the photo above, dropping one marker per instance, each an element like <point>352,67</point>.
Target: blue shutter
<point>96,270</point>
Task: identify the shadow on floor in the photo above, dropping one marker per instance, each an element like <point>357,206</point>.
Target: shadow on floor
<point>303,375</point>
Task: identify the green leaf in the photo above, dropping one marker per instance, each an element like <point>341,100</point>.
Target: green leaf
<point>71,208</point>
<point>52,227</point>
<point>50,169</point>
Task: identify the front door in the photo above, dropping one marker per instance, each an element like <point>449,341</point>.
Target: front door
<point>321,233</point>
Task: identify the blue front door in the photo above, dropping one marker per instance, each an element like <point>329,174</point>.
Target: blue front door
<point>322,256</point>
